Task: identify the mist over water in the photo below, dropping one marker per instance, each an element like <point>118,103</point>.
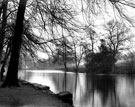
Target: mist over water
<point>88,90</point>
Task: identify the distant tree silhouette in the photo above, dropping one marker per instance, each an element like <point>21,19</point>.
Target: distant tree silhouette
<point>118,38</point>
<point>100,62</point>
<point>129,63</point>
<point>63,53</point>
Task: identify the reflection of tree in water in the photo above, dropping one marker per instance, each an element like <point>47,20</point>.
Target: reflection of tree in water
<point>59,81</point>
<point>105,86</point>
<point>131,81</point>
<point>28,75</point>
<point>63,81</point>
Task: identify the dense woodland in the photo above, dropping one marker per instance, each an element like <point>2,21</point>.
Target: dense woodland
<point>68,32</point>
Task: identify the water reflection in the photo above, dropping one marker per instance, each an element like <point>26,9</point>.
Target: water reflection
<point>89,90</point>
<point>105,87</point>
<point>125,91</point>
<point>131,79</point>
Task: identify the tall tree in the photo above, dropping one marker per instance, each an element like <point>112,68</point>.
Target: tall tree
<point>3,26</point>
<point>12,73</point>
<point>78,51</point>
<point>117,38</point>
<point>63,52</point>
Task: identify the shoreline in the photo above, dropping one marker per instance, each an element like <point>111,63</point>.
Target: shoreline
<point>29,95</point>
<point>46,89</point>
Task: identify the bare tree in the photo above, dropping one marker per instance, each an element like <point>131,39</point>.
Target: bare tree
<point>118,35</point>
<point>50,17</point>
<point>3,25</point>
<point>118,38</point>
<point>78,50</point>
<point>12,73</point>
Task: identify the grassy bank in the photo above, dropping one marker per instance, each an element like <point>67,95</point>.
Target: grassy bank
<point>27,96</point>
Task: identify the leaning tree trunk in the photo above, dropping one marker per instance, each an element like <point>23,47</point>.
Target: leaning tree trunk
<point>12,74</point>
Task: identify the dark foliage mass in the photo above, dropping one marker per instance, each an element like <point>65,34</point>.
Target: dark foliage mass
<point>101,62</point>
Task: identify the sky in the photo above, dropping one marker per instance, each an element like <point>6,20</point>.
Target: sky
<point>42,55</point>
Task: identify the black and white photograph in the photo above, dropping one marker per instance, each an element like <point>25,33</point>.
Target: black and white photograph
<point>67,53</point>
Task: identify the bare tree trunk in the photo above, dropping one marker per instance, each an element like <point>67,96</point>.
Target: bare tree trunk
<point>12,74</point>
<point>4,21</point>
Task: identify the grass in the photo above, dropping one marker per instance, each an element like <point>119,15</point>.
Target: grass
<point>26,96</point>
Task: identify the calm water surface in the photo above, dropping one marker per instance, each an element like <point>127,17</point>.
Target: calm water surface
<point>88,91</point>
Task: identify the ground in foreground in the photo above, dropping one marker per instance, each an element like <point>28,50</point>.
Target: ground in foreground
<point>27,96</point>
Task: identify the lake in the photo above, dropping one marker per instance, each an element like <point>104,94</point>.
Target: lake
<point>88,90</point>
